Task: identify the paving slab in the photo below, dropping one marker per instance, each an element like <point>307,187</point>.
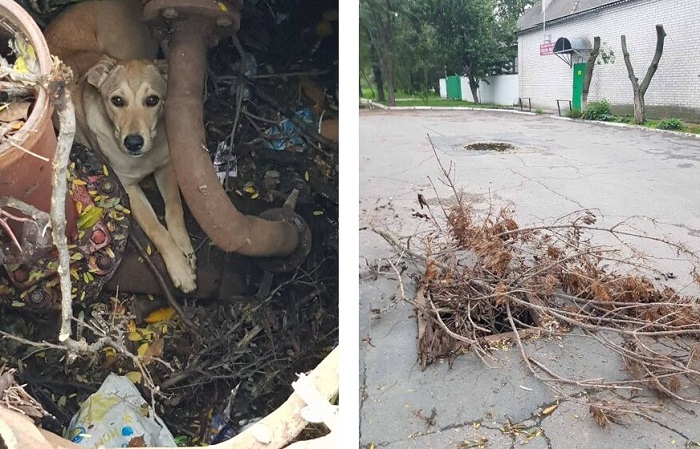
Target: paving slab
<point>556,167</point>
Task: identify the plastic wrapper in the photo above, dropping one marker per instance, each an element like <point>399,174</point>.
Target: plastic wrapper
<point>117,416</point>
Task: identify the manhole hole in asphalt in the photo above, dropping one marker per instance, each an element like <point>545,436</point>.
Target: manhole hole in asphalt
<point>489,146</point>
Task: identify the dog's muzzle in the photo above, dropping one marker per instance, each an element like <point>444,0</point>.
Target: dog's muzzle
<point>133,143</point>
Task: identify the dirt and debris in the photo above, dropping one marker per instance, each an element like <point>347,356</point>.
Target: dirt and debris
<point>271,112</point>
<point>16,98</point>
<point>489,146</point>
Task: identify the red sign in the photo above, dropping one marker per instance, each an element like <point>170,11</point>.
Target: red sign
<point>547,49</point>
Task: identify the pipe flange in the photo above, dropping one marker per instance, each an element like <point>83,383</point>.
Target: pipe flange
<point>291,261</point>
<point>224,15</point>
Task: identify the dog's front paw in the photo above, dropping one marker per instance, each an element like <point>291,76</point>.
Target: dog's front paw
<point>183,242</point>
<point>181,273</point>
<point>192,260</point>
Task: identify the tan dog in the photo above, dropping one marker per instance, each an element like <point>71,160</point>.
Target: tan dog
<point>119,109</point>
<point>83,33</point>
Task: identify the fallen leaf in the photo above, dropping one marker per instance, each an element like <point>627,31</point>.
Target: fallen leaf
<point>17,110</point>
<point>155,349</point>
<point>550,409</point>
<point>134,376</point>
<point>162,314</point>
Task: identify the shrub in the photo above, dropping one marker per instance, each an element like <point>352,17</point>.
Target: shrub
<point>671,123</point>
<point>574,113</point>
<point>538,111</point>
<point>599,110</point>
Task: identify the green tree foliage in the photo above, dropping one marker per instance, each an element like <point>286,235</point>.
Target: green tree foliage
<point>416,42</point>
<point>378,23</point>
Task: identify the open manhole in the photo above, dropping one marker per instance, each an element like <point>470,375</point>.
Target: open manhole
<point>490,146</point>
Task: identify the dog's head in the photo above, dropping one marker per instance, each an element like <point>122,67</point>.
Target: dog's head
<point>133,94</point>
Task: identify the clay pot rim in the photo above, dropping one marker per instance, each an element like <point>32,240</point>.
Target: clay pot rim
<point>17,19</point>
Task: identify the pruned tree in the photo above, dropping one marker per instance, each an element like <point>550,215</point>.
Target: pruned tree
<point>641,89</point>
<point>589,72</point>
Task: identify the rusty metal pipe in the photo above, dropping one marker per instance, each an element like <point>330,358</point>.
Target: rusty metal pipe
<point>229,229</point>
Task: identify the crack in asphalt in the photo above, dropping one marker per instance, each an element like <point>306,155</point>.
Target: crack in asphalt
<point>548,188</point>
<point>669,428</point>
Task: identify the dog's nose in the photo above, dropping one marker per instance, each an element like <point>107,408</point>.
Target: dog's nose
<point>133,142</point>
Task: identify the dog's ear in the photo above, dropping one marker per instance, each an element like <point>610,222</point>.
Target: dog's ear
<point>97,74</point>
<point>162,66</point>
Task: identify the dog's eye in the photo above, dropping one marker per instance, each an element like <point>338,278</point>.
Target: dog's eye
<point>117,101</point>
<point>152,100</point>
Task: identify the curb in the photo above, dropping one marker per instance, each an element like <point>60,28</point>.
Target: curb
<point>373,104</point>
<point>626,125</point>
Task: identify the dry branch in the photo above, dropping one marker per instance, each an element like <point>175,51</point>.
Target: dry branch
<point>487,278</point>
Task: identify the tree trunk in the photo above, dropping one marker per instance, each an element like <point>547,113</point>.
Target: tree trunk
<point>639,113</point>
<point>588,76</point>
<point>389,75</point>
<point>379,82</point>
<point>640,90</point>
<point>474,86</point>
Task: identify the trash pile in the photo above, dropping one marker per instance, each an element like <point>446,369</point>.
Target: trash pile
<point>271,122</point>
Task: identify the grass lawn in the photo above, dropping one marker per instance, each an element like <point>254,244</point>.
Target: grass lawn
<point>689,127</point>
<point>430,101</point>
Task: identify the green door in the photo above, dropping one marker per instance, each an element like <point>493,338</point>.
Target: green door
<point>579,71</point>
<point>454,89</point>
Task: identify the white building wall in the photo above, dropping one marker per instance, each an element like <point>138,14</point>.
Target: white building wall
<point>466,90</point>
<point>498,89</point>
<point>676,82</point>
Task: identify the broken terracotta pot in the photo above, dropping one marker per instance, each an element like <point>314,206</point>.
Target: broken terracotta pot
<point>22,175</point>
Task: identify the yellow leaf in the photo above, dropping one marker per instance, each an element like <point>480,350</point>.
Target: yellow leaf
<point>239,192</point>
<point>142,350</point>
<point>134,376</point>
<point>131,327</point>
<point>62,401</point>
<point>79,182</point>
<point>550,409</point>
<point>134,336</point>
<point>162,314</point>
<point>306,176</point>
<point>149,251</point>
<point>105,170</point>
<point>317,213</point>
<point>255,195</point>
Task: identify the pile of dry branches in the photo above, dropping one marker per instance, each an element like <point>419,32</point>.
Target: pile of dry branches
<point>487,279</point>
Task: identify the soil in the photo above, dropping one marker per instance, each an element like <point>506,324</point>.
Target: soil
<point>489,146</point>
<point>259,341</point>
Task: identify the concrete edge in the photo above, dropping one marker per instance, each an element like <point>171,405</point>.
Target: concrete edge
<point>627,125</point>
<point>373,104</point>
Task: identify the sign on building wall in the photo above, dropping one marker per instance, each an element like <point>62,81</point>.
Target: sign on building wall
<point>547,49</point>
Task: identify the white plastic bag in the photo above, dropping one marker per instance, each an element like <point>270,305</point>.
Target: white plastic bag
<point>117,416</point>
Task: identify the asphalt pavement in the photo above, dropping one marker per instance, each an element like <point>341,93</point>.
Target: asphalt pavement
<point>555,167</point>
